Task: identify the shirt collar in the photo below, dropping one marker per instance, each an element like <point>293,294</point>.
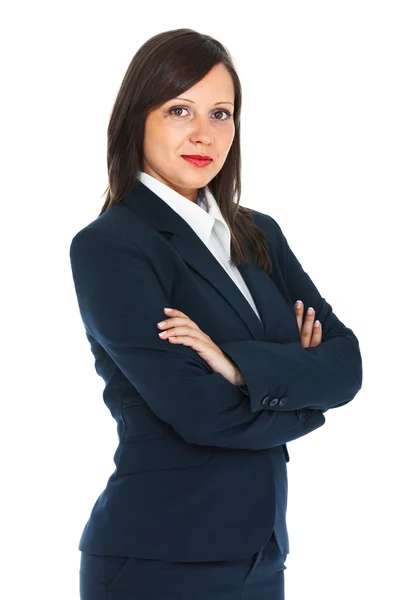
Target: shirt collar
<point>195,214</point>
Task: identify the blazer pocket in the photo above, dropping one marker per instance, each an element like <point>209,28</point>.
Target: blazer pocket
<point>114,568</point>
<point>158,454</point>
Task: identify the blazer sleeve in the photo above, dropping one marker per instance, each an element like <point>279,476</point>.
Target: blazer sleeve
<point>121,300</point>
<point>319,377</point>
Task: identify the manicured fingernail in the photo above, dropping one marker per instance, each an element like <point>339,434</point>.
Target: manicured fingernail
<point>317,324</point>
<point>298,304</point>
<point>310,311</point>
<point>167,309</point>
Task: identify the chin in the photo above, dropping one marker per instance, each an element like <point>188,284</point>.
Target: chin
<point>194,182</point>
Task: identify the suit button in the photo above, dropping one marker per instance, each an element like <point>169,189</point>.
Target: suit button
<point>274,402</point>
<point>265,400</point>
<point>283,401</point>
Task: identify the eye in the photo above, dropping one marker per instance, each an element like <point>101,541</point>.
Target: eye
<point>176,108</point>
<point>227,113</point>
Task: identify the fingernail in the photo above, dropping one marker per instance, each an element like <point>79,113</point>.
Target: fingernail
<point>168,309</point>
<point>298,304</point>
<point>310,311</point>
<point>317,324</point>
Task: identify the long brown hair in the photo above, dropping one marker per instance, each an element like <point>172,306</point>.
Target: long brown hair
<point>164,67</point>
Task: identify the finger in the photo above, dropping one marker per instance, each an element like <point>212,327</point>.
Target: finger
<point>172,312</point>
<point>299,314</point>
<point>187,340</point>
<point>197,344</point>
<point>184,330</point>
<point>317,334</point>
<point>176,321</point>
<point>307,329</point>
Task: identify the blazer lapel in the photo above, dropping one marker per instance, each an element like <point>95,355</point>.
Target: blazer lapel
<point>158,215</point>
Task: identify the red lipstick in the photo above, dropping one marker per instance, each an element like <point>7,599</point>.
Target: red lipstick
<point>198,160</point>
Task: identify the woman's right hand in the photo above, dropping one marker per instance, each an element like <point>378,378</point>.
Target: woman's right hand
<point>310,335</point>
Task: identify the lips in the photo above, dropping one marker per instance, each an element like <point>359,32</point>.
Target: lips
<point>197,159</point>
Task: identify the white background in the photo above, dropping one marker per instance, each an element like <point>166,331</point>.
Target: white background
<point>320,143</point>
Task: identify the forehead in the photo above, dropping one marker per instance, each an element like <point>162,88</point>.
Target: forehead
<point>217,85</point>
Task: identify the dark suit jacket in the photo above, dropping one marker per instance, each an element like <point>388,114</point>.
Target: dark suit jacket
<point>194,467</point>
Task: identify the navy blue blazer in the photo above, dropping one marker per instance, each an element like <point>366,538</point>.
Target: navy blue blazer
<point>193,478</point>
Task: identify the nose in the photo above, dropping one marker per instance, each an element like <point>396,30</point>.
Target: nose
<point>202,131</point>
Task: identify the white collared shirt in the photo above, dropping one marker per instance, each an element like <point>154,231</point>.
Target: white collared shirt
<point>210,226</point>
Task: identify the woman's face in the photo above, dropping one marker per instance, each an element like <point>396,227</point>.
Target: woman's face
<point>199,121</point>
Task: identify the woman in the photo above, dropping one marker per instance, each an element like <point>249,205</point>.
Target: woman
<point>205,401</point>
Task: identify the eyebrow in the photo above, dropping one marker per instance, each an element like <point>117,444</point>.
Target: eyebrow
<point>187,100</point>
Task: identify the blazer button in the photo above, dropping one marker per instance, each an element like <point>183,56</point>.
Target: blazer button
<point>265,399</point>
<point>274,402</point>
<point>283,401</point>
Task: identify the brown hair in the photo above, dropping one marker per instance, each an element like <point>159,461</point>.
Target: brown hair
<point>164,67</point>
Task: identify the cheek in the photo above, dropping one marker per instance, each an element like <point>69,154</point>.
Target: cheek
<point>148,137</point>
<point>225,141</point>
<point>162,139</point>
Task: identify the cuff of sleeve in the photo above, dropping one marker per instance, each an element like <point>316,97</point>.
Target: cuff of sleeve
<point>244,389</point>
<point>263,395</point>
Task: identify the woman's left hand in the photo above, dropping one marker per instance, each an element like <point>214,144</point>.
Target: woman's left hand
<point>189,334</point>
